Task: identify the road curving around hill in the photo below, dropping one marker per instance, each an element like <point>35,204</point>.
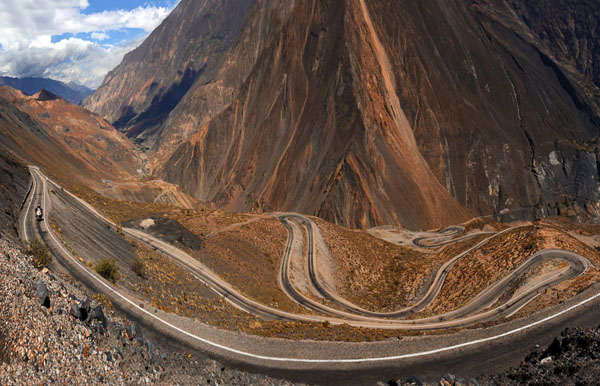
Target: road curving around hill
<point>475,311</point>
<point>446,237</point>
<point>288,357</point>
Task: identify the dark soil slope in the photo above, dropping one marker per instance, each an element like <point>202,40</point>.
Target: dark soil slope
<point>14,183</point>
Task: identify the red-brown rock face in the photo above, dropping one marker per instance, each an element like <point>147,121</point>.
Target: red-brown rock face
<point>370,113</point>
<point>68,139</point>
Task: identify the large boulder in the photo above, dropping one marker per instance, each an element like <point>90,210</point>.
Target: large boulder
<point>79,309</point>
<point>98,314</point>
<point>41,291</point>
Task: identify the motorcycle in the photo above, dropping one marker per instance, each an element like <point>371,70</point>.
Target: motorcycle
<point>39,214</point>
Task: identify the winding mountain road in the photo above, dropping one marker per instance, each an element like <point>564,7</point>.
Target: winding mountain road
<point>444,237</point>
<point>320,361</point>
<point>472,312</point>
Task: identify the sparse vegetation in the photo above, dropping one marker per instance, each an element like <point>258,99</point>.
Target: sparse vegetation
<point>40,252</point>
<point>107,268</point>
<point>104,300</point>
<point>139,267</point>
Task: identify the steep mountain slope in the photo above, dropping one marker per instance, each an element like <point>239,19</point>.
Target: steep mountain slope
<point>369,113</point>
<point>74,131</point>
<point>14,181</point>
<point>500,121</point>
<point>73,93</point>
<point>76,145</point>
<point>296,138</point>
<point>139,94</point>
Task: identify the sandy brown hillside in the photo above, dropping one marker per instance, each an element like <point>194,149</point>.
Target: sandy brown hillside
<point>77,146</point>
<point>86,136</point>
<point>369,113</point>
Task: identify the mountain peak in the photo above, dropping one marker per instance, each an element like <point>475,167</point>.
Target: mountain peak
<point>45,95</point>
<point>447,110</point>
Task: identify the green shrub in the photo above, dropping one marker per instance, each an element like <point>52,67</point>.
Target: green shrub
<point>139,267</point>
<point>107,268</point>
<point>40,252</point>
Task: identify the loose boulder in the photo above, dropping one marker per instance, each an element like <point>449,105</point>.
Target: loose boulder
<point>134,331</point>
<point>98,314</point>
<point>79,309</point>
<point>42,292</point>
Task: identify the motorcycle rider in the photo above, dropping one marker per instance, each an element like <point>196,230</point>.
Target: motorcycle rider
<point>38,212</point>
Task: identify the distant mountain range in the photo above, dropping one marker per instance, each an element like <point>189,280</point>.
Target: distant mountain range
<point>71,92</point>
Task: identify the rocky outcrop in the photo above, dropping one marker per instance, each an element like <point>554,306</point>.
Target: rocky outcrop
<point>569,359</point>
<point>370,113</point>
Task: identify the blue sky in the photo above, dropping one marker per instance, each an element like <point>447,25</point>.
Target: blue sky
<point>73,40</point>
<point>96,6</point>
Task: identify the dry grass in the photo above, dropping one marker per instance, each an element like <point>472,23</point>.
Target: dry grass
<point>248,257</point>
<point>499,257</point>
<point>558,238</point>
<point>378,275</point>
<point>170,287</point>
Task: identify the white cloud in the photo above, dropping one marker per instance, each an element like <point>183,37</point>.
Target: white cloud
<point>27,28</point>
<point>100,36</point>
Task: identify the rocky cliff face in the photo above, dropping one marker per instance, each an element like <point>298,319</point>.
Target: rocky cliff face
<point>14,182</point>
<point>368,113</point>
<point>188,46</point>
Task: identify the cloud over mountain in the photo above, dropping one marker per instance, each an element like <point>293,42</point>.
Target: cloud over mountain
<point>59,39</point>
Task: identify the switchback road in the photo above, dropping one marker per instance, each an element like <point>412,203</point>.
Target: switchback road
<point>315,362</point>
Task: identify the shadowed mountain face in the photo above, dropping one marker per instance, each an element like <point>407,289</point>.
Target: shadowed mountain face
<point>371,113</point>
<point>14,181</point>
<point>140,93</point>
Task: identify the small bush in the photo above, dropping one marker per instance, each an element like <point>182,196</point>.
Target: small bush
<point>40,252</point>
<point>107,268</point>
<point>139,267</point>
<point>104,300</point>
<point>327,324</point>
